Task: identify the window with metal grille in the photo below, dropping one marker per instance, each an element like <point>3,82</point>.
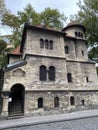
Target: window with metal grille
<point>51,73</point>
<point>40,103</point>
<point>43,73</point>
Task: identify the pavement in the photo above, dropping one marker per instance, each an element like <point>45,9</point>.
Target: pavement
<point>10,123</point>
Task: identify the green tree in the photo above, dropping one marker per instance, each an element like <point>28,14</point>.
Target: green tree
<point>88,16</point>
<point>50,17</point>
<point>3,59</point>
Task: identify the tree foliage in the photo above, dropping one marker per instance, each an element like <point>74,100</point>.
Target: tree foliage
<point>3,58</point>
<point>88,16</point>
<point>2,46</point>
<point>49,17</point>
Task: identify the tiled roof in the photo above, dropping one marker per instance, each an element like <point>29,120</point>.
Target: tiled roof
<point>16,51</point>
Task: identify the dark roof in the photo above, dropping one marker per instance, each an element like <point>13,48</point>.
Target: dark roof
<point>15,65</point>
<point>40,28</point>
<point>73,24</point>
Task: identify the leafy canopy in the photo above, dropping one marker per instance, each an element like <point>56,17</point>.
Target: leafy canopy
<point>50,17</point>
<point>88,16</point>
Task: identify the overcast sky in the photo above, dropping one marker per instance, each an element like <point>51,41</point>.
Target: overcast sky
<point>68,7</point>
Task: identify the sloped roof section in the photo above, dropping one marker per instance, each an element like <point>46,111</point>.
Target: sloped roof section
<point>15,65</point>
<point>73,24</point>
<point>27,26</point>
<point>16,51</point>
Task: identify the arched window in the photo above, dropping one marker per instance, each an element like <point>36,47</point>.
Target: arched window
<point>51,73</point>
<point>51,45</point>
<point>82,53</point>
<point>56,102</point>
<point>69,77</point>
<point>76,34</point>
<point>43,73</point>
<point>83,103</point>
<point>46,44</point>
<point>72,101</point>
<point>41,43</point>
<point>66,50</point>
<point>40,103</point>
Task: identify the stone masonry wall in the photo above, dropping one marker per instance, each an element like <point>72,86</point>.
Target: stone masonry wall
<point>31,102</point>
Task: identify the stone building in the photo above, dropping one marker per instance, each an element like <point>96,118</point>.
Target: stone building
<point>50,73</point>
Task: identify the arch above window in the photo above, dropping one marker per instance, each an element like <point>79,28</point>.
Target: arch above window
<point>51,73</point>
<point>66,49</point>
<point>40,102</point>
<point>56,102</point>
<point>43,73</point>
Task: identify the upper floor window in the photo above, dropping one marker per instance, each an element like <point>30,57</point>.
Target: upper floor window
<point>72,101</point>
<point>51,44</point>
<point>40,103</point>
<point>66,49</point>
<point>51,73</point>
<point>43,73</point>
<point>82,53</point>
<point>87,80</point>
<point>56,102</point>
<point>79,34</point>
<point>46,44</point>
<point>69,77</point>
<point>41,43</point>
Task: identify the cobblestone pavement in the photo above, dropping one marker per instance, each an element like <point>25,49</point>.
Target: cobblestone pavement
<point>84,120</point>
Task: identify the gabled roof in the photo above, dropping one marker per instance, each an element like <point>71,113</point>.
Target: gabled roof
<point>40,28</point>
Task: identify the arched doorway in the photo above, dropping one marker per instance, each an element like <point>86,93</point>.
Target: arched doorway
<point>16,100</point>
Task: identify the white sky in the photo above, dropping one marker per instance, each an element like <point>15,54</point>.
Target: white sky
<point>68,7</point>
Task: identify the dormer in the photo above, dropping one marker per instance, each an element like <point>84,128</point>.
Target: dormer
<point>75,30</point>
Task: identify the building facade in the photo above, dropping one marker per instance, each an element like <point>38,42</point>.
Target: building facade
<point>50,73</point>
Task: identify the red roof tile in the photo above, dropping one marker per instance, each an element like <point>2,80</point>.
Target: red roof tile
<point>16,51</point>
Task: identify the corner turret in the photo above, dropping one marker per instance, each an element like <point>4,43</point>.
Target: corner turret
<point>75,30</point>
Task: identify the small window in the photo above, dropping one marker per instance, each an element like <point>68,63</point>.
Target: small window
<point>43,73</point>
<point>83,103</point>
<point>72,101</point>
<point>51,73</point>
<point>82,53</point>
<point>66,50</point>
<point>46,44</point>
<point>40,103</point>
<point>51,45</point>
<point>41,43</point>
<point>56,102</point>
<point>76,34</point>
<point>81,35</point>
<point>69,77</point>
<point>87,80</point>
